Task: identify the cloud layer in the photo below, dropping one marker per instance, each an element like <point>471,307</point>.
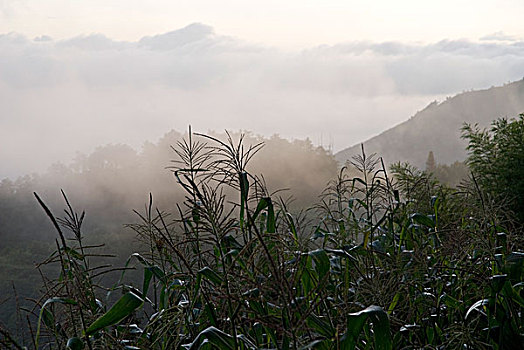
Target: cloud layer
<point>60,97</point>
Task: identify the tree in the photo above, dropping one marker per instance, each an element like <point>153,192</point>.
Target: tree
<point>496,159</point>
<point>431,166</point>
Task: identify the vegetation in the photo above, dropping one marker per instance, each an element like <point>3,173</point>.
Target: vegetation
<point>108,184</point>
<point>452,175</point>
<point>437,127</point>
<point>497,161</point>
<point>383,261</point>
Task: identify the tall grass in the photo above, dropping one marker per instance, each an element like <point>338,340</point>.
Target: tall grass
<point>381,262</point>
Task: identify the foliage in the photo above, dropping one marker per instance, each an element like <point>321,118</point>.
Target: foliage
<point>496,158</point>
<point>381,262</point>
<point>453,174</point>
<point>108,184</point>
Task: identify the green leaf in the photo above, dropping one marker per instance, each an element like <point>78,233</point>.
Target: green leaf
<point>264,203</point>
<point>321,326</point>
<point>209,310</point>
<point>257,332</point>
<point>213,336</point>
<point>257,307</point>
<point>322,263</point>
<point>358,179</point>
<point>158,273</point>
<point>75,343</point>
<point>509,292</point>
<point>211,276</point>
<point>306,276</point>
<point>497,282</point>
<point>422,219</point>
<point>73,253</point>
<point>248,344</point>
<point>394,303</point>
<point>142,260</point>
<point>244,191</point>
<point>150,270</point>
<point>476,307</point>
<point>271,222</point>
<point>355,325</point>
<point>120,310</point>
<point>430,333</point>
<point>148,275</point>
<point>292,226</point>
<point>341,253</point>
<point>230,242</point>
<point>48,316</point>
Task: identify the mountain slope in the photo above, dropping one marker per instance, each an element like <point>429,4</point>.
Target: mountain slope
<point>437,127</point>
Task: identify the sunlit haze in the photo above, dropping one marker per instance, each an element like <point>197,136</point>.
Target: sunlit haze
<point>78,74</point>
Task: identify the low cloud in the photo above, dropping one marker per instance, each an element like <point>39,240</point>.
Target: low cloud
<point>499,36</point>
<point>59,97</point>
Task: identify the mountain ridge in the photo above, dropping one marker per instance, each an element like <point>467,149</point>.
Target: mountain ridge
<point>437,127</point>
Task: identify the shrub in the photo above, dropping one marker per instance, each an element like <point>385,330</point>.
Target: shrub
<point>496,158</point>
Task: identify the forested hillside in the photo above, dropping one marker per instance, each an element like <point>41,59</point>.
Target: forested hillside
<point>437,127</point>
<point>114,180</point>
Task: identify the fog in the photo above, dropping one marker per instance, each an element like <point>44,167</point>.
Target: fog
<point>58,98</point>
<point>96,117</point>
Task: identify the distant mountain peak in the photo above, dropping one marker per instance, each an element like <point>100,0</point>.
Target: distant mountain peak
<point>177,38</point>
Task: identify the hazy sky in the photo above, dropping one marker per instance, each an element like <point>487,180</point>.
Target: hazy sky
<point>295,23</point>
<point>77,74</point>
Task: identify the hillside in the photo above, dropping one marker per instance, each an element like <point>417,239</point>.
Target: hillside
<point>437,127</point>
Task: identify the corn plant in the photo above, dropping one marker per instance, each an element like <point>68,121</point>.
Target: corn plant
<point>382,261</point>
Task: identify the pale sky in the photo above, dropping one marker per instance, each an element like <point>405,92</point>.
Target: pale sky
<point>279,23</point>
<point>77,74</point>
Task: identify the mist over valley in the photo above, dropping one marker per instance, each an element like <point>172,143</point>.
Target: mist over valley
<point>210,178</point>
<point>60,97</point>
